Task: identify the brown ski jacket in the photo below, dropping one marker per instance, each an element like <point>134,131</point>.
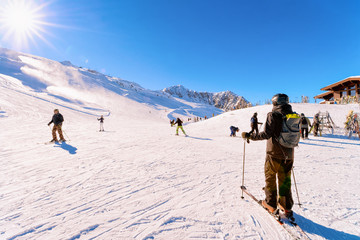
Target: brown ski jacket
<point>272,131</point>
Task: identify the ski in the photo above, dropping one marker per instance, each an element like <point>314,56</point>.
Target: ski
<point>291,221</point>
<point>286,223</point>
<point>57,142</point>
<point>276,216</point>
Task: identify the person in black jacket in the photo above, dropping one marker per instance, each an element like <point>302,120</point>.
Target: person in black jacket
<point>304,126</point>
<point>254,124</point>
<point>179,126</point>
<point>101,119</point>
<point>279,160</point>
<point>233,131</point>
<point>57,120</point>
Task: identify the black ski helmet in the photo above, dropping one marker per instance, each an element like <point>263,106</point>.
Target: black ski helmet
<point>280,99</point>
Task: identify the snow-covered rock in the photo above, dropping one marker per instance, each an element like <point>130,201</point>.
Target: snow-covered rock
<point>224,100</point>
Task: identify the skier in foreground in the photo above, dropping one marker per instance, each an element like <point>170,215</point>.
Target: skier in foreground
<point>57,119</point>
<point>101,119</point>
<point>179,125</point>
<point>304,124</point>
<point>279,160</point>
<point>254,124</point>
<point>233,131</point>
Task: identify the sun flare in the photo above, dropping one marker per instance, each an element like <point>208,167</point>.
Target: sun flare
<point>22,21</point>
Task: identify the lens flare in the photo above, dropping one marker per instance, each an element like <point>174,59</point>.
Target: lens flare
<point>22,21</point>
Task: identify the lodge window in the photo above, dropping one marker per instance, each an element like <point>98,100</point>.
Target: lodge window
<point>352,93</point>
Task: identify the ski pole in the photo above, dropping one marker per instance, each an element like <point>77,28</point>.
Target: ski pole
<point>66,135</point>
<point>297,192</point>
<point>243,173</point>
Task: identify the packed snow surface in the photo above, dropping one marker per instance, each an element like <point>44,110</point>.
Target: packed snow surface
<point>137,180</point>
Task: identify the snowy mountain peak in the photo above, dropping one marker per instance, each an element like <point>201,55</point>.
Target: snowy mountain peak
<point>225,100</point>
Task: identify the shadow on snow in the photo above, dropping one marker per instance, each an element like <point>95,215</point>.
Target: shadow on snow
<point>320,145</point>
<point>328,233</point>
<point>346,138</point>
<point>67,147</point>
<point>199,138</point>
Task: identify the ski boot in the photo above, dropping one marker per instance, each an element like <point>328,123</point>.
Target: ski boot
<point>268,207</point>
<point>289,214</point>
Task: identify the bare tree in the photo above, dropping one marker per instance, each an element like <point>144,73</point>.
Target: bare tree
<point>304,99</point>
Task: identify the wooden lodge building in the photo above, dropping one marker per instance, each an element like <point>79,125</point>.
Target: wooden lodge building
<point>342,92</point>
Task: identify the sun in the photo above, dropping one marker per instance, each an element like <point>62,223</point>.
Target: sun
<point>22,21</point>
<point>20,18</point>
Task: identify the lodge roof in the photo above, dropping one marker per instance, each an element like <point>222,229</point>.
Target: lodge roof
<point>325,95</point>
<point>342,83</point>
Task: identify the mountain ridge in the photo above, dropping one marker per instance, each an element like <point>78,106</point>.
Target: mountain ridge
<point>226,100</point>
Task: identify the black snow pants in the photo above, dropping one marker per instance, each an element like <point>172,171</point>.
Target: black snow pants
<point>304,132</point>
<point>254,127</point>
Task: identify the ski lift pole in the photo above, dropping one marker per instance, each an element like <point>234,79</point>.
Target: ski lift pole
<point>243,173</point>
<point>297,192</point>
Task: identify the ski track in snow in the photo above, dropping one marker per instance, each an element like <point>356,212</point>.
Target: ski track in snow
<point>137,180</point>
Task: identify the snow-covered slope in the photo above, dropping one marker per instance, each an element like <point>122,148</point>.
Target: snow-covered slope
<point>137,180</point>
<point>223,100</point>
<point>85,87</point>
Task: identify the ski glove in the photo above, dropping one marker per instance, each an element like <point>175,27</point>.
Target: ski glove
<point>245,135</point>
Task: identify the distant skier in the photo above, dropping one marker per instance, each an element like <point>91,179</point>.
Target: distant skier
<point>352,124</point>
<point>233,130</point>
<point>57,119</point>
<point>101,119</point>
<point>316,124</point>
<point>356,124</point>
<point>179,126</point>
<point>254,124</point>
<point>304,125</point>
<point>279,159</point>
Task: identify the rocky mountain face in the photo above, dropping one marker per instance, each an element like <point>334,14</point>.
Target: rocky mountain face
<point>224,100</point>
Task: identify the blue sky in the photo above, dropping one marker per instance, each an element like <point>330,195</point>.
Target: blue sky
<point>255,48</point>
